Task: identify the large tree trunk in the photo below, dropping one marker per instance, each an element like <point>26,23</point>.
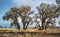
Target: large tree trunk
<point>18,26</point>
<point>24,27</point>
<point>43,23</point>
<point>23,24</point>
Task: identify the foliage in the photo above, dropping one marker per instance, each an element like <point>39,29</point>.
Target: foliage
<point>23,12</point>
<point>46,14</point>
<point>47,11</point>
<point>58,1</point>
<point>13,16</point>
<point>59,22</point>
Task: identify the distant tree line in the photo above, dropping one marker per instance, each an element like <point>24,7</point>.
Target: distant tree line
<point>46,13</point>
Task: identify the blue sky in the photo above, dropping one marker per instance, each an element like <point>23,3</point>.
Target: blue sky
<point>5,5</point>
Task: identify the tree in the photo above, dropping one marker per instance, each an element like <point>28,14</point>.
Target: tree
<point>35,18</point>
<point>13,16</point>
<point>59,22</point>
<point>24,12</point>
<point>58,1</point>
<point>47,11</point>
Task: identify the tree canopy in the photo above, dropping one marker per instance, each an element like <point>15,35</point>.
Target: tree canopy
<point>58,1</point>
<point>46,13</point>
<point>23,12</point>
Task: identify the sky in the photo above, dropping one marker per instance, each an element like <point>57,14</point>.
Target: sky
<point>5,5</point>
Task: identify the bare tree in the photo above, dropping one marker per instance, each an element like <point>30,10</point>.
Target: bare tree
<point>48,11</point>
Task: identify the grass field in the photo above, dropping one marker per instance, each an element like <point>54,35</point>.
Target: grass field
<point>12,32</point>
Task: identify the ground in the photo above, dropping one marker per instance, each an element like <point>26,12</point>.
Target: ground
<point>12,32</point>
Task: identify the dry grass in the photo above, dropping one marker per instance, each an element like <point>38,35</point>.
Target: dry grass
<point>12,32</point>
<point>29,30</point>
